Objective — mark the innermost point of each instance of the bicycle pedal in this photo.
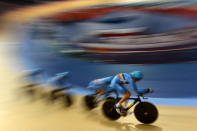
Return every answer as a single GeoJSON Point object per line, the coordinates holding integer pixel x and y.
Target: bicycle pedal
{"type": "Point", "coordinates": [122, 112]}
{"type": "Point", "coordinates": [130, 113]}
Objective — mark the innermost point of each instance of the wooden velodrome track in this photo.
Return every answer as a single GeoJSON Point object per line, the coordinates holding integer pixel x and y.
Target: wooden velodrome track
{"type": "Point", "coordinates": [21, 113]}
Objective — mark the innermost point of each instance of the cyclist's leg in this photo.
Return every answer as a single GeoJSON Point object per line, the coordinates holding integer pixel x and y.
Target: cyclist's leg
{"type": "Point", "coordinates": [57, 90]}
{"type": "Point", "coordinates": [124, 99]}
{"type": "Point", "coordinates": [100, 92]}
{"type": "Point", "coordinates": [119, 106]}
{"type": "Point", "coordinates": [106, 90]}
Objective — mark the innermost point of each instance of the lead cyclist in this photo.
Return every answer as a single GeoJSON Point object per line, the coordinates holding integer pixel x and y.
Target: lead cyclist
{"type": "Point", "coordinates": [125, 83]}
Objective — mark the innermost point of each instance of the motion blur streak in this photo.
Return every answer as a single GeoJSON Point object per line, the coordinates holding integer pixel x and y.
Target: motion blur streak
{"type": "Point", "coordinates": [125, 34]}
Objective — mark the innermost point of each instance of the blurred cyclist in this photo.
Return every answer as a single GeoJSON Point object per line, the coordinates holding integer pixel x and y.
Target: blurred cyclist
{"type": "Point", "coordinates": [124, 83]}
{"type": "Point", "coordinates": [37, 78]}
{"type": "Point", "coordinates": [60, 83]}
{"type": "Point", "coordinates": [33, 77]}
{"type": "Point", "coordinates": [101, 86]}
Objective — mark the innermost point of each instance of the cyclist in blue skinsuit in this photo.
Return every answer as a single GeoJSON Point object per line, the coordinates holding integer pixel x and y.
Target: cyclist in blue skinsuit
{"type": "Point", "coordinates": [59, 81]}
{"type": "Point", "coordinates": [34, 77]}
{"type": "Point", "coordinates": [37, 76]}
{"type": "Point", "coordinates": [125, 83]}
{"type": "Point", "coordinates": [101, 86]}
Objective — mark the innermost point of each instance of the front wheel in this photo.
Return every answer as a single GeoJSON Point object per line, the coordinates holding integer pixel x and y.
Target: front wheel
{"type": "Point", "coordinates": [146, 112]}
{"type": "Point", "coordinates": [109, 109]}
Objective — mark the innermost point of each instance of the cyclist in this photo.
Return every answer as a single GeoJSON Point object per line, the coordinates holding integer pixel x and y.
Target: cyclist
{"type": "Point", "coordinates": [34, 77]}
{"type": "Point", "coordinates": [101, 86]}
{"type": "Point", "coordinates": [124, 83]}
{"type": "Point", "coordinates": [59, 81]}
{"type": "Point", "coordinates": [37, 77]}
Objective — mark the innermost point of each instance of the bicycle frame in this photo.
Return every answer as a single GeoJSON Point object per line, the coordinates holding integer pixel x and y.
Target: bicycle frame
{"type": "Point", "coordinates": [136, 100]}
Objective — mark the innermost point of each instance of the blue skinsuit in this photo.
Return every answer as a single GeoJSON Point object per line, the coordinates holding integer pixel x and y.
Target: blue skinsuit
{"type": "Point", "coordinates": [100, 83]}
{"type": "Point", "coordinates": [35, 76]}
{"type": "Point", "coordinates": [59, 80]}
{"type": "Point", "coordinates": [123, 83]}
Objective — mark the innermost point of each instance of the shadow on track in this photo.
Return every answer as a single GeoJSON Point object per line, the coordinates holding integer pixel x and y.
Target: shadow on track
{"type": "Point", "coordinates": [146, 127]}
{"type": "Point", "coordinates": [121, 126]}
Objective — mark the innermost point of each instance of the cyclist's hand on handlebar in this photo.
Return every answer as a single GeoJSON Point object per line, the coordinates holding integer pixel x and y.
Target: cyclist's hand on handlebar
{"type": "Point", "coordinates": [149, 90]}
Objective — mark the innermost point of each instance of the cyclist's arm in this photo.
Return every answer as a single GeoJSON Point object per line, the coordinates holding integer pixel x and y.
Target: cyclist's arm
{"type": "Point", "coordinates": [135, 86]}
{"type": "Point", "coordinates": [139, 90]}
{"type": "Point", "coordinates": [113, 82]}
{"type": "Point", "coordinates": [91, 84]}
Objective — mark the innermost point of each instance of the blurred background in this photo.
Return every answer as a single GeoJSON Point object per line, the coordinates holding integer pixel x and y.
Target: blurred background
{"type": "Point", "coordinates": [98, 40]}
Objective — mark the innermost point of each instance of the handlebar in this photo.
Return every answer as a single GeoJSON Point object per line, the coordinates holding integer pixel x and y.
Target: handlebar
{"type": "Point", "coordinates": [149, 90]}
{"type": "Point", "coordinates": [145, 91]}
